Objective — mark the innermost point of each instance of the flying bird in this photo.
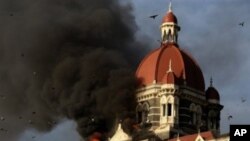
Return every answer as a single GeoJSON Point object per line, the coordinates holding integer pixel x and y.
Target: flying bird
{"type": "Point", "coordinates": [243, 100]}
{"type": "Point", "coordinates": [153, 16]}
{"type": "Point", "coordinates": [229, 117]}
{"type": "Point", "coordinates": [241, 24]}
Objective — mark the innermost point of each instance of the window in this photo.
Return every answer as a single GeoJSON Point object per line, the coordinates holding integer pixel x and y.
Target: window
{"type": "Point", "coordinates": [199, 114]}
{"type": "Point", "coordinates": [193, 113]}
{"type": "Point", "coordinates": [194, 118]}
{"type": "Point", "coordinates": [163, 109]}
{"type": "Point", "coordinates": [169, 109]}
{"type": "Point", "coordinates": [139, 113]}
{"type": "Point", "coordinates": [139, 116]}
{"type": "Point", "coordinates": [165, 36]}
{"type": "Point", "coordinates": [212, 119]}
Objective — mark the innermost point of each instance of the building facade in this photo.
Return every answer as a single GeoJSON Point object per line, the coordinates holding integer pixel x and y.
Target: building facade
{"type": "Point", "coordinates": [171, 96]}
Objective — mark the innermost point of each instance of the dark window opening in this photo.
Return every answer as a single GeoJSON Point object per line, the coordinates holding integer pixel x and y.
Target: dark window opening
{"type": "Point", "coordinates": [139, 117]}
{"type": "Point", "coordinates": [164, 109]}
{"type": "Point", "coordinates": [169, 109]}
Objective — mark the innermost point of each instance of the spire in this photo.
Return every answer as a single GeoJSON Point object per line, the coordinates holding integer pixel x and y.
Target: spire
{"type": "Point", "coordinates": [169, 27]}
{"type": "Point", "coordinates": [170, 66]}
{"type": "Point", "coordinates": [211, 82]}
{"type": "Point", "coordinates": [170, 6]}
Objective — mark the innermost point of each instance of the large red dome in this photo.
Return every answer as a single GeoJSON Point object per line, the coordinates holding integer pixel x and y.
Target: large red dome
{"type": "Point", "coordinates": [155, 65]}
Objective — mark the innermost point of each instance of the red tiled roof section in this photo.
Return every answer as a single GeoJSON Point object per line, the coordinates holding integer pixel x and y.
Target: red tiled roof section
{"type": "Point", "coordinates": [205, 135]}
{"type": "Point", "coordinates": [170, 17]}
{"type": "Point", "coordinates": [156, 64]}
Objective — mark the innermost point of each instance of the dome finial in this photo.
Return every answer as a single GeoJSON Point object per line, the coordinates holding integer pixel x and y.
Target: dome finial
{"type": "Point", "coordinates": [170, 6]}
{"type": "Point", "coordinates": [211, 81]}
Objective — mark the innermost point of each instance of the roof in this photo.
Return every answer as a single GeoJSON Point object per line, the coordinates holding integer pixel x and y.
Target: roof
{"type": "Point", "coordinates": [120, 135]}
{"type": "Point", "coordinates": [170, 17]}
{"type": "Point", "coordinates": [205, 135]}
{"type": "Point", "coordinates": [155, 65]}
{"type": "Point", "coordinates": [212, 93]}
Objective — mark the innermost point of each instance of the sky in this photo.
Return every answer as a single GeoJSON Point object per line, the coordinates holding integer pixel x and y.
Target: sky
{"type": "Point", "coordinates": [210, 31]}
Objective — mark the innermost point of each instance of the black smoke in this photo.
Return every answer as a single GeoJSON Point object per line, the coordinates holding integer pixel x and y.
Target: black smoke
{"type": "Point", "coordinates": [66, 58]}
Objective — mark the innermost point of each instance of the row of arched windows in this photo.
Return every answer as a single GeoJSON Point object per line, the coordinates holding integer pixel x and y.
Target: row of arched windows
{"type": "Point", "coordinates": [166, 106]}
{"type": "Point", "coordinates": [168, 36]}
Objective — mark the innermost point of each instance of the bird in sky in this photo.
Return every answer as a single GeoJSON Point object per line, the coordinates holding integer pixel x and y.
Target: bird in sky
{"type": "Point", "coordinates": [243, 100]}
{"type": "Point", "coordinates": [229, 117]}
{"type": "Point", "coordinates": [241, 24]}
{"type": "Point", "coordinates": [153, 16]}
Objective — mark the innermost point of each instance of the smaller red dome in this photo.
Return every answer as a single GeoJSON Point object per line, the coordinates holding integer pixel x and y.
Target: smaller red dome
{"type": "Point", "coordinates": [170, 17]}
{"type": "Point", "coordinates": [212, 93]}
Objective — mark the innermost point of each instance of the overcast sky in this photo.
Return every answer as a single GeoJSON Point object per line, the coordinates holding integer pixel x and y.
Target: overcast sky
{"type": "Point", "coordinates": [210, 31]}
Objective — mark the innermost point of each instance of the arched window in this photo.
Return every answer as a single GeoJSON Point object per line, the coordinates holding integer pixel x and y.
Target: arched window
{"type": "Point", "coordinates": [170, 102]}
{"type": "Point", "coordinates": [192, 109]}
{"type": "Point", "coordinates": [212, 119]}
{"type": "Point", "coordinates": [145, 111]}
{"type": "Point", "coordinates": [199, 115]}
{"type": "Point", "coordinates": [169, 35]}
{"type": "Point", "coordinates": [163, 102]}
{"type": "Point", "coordinates": [139, 113]}
{"type": "Point", "coordinates": [165, 36]}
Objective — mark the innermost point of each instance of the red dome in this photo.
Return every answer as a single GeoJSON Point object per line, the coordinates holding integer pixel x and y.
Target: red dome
{"type": "Point", "coordinates": [170, 17]}
{"type": "Point", "coordinates": [156, 64]}
{"type": "Point", "coordinates": [212, 93]}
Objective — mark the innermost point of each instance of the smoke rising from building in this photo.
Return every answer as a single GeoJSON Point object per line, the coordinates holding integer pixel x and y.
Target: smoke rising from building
{"type": "Point", "coordinates": [70, 58]}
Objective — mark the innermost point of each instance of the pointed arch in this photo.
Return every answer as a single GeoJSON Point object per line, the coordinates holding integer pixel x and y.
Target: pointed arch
{"type": "Point", "coordinates": [145, 111]}
{"type": "Point", "coordinates": [192, 109]}
{"type": "Point", "coordinates": [170, 102]}
{"type": "Point", "coordinates": [163, 102]}
{"type": "Point", "coordinates": [212, 120]}
{"type": "Point", "coordinates": [198, 115]}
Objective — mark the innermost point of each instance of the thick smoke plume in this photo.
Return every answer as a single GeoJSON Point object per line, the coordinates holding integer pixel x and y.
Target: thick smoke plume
{"type": "Point", "coordinates": [66, 58]}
